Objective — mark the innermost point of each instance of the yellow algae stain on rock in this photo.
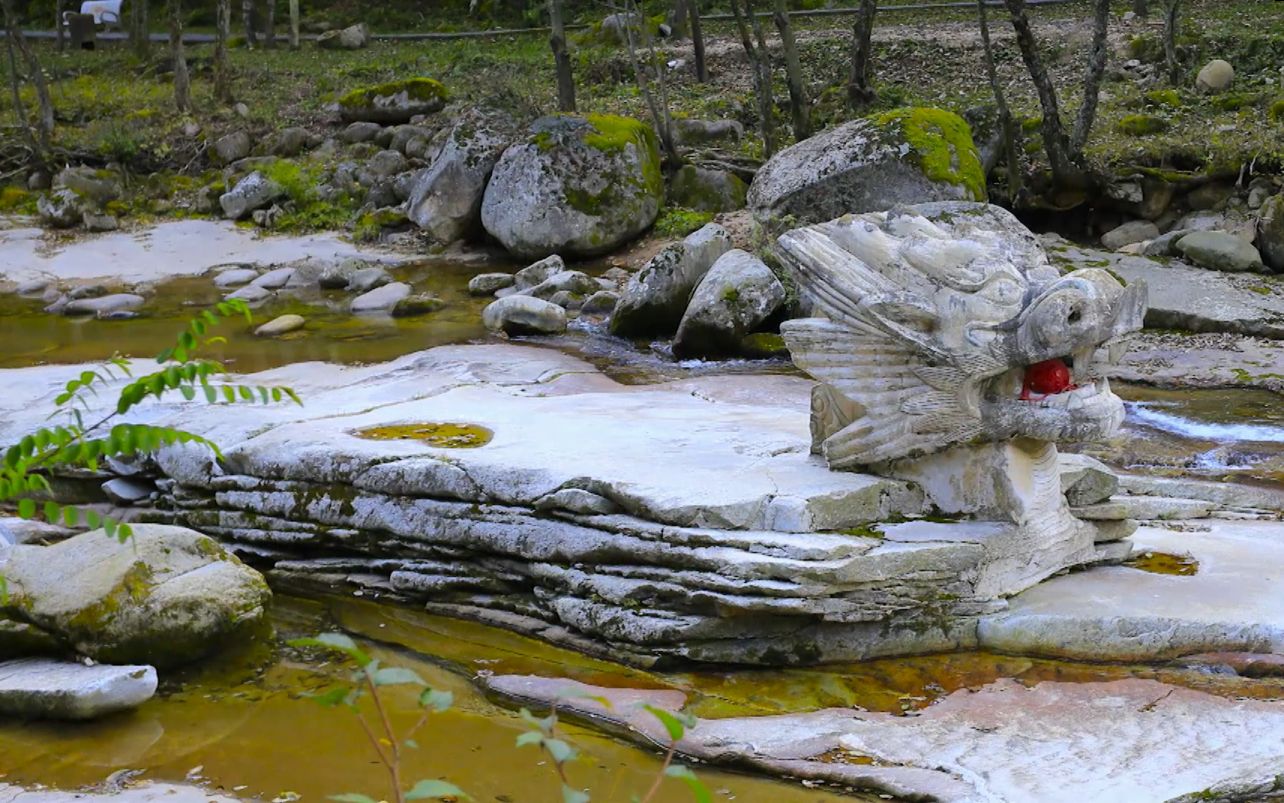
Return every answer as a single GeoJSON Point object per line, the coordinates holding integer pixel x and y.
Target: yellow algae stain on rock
{"type": "Point", "coordinates": [443, 435]}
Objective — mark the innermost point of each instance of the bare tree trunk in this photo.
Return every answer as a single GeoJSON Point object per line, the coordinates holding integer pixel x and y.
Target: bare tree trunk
{"type": "Point", "coordinates": [697, 41]}
{"type": "Point", "coordinates": [269, 24]}
{"type": "Point", "coordinates": [1171, 22]}
{"type": "Point", "coordinates": [45, 122]}
{"type": "Point", "coordinates": [799, 106]}
{"type": "Point", "coordinates": [1055, 142]}
{"type": "Point", "coordinates": [294, 24]}
{"type": "Point", "coordinates": [561, 58]}
{"type": "Point", "coordinates": [859, 92]}
{"type": "Point", "coordinates": [1011, 151]}
{"type": "Point", "coordinates": [247, 21]}
{"type": "Point", "coordinates": [222, 69]}
{"type": "Point", "coordinates": [678, 18]}
{"type": "Point", "coordinates": [1140, 8]}
{"type": "Point", "coordinates": [760, 64]}
{"type": "Point", "coordinates": [139, 34]}
{"type": "Point", "coordinates": [182, 82]}
{"type": "Point", "coordinates": [59, 6]}
{"type": "Point", "coordinates": [1093, 72]}
{"type": "Point", "coordinates": [659, 111]}
{"type": "Point", "coordinates": [11, 39]}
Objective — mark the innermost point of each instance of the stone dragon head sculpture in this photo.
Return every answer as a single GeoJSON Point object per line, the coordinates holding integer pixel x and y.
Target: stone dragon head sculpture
{"type": "Point", "coordinates": [945, 324]}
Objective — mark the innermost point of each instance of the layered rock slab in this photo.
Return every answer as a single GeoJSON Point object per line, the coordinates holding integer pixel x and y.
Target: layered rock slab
{"type": "Point", "coordinates": [37, 688]}
{"type": "Point", "coordinates": [1128, 740]}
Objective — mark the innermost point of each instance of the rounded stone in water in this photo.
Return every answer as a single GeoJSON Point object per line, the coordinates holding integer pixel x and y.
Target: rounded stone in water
{"type": "Point", "coordinates": [444, 435]}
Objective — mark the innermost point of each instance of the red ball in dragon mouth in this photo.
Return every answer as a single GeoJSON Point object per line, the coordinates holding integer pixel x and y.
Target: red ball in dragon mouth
{"type": "Point", "coordinates": [1047, 378]}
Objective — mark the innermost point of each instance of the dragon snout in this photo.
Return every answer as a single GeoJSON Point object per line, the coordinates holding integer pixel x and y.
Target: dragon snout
{"type": "Point", "coordinates": [1078, 311]}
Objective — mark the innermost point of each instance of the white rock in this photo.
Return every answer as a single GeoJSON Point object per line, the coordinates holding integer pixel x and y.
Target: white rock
{"type": "Point", "coordinates": [281, 325]}
{"type": "Point", "coordinates": [235, 277]}
{"type": "Point", "coordinates": [124, 491]}
{"type": "Point", "coordinates": [524, 315]}
{"type": "Point", "coordinates": [104, 305]}
{"type": "Point", "coordinates": [380, 299]}
{"type": "Point", "coordinates": [275, 279]}
{"type": "Point", "coordinates": [37, 688]}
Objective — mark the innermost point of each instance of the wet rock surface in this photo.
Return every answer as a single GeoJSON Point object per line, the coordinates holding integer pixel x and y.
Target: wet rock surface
{"type": "Point", "coordinates": [37, 688]}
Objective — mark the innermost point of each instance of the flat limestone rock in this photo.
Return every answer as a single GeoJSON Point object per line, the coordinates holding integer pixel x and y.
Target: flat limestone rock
{"type": "Point", "coordinates": [1208, 360]}
{"type": "Point", "coordinates": [1233, 603]}
{"type": "Point", "coordinates": [1125, 741]}
{"type": "Point", "coordinates": [37, 688]}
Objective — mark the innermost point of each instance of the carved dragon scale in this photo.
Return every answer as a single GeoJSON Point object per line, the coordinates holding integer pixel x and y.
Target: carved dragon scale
{"type": "Point", "coordinates": [935, 319]}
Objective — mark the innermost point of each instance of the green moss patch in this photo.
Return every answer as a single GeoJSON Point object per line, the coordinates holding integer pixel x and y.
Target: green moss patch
{"type": "Point", "coordinates": [380, 102]}
{"type": "Point", "coordinates": [941, 144]}
{"type": "Point", "coordinates": [678, 222]}
{"type": "Point", "coordinates": [445, 436]}
{"type": "Point", "coordinates": [1141, 125]}
{"type": "Point", "coordinates": [1164, 97]}
{"type": "Point", "coordinates": [1276, 112]}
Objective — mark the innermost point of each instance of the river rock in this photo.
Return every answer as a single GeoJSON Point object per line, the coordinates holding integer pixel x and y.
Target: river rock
{"type": "Point", "coordinates": [485, 284]}
{"type": "Point", "coordinates": [538, 272]}
{"type": "Point", "coordinates": [103, 305]}
{"type": "Point", "coordinates": [380, 299]}
{"type": "Point", "coordinates": [1215, 76]}
{"type": "Point", "coordinates": [737, 295]}
{"type": "Point", "coordinates": [1134, 231]}
{"type": "Point", "coordinates": [394, 102]}
{"type": "Point", "coordinates": [707, 190]}
{"type": "Point", "coordinates": [354, 37]}
{"type": "Point", "coordinates": [1270, 233]}
{"type": "Point", "coordinates": [1220, 251]}
{"type": "Point", "coordinates": [382, 165]}
{"type": "Point", "coordinates": [600, 303]}
{"type": "Point", "coordinates": [255, 191]}
{"type": "Point", "coordinates": [446, 199]}
{"type": "Point", "coordinates": [99, 222]}
{"type": "Point", "coordinates": [60, 209]}
{"type": "Point", "coordinates": [703, 132]}
{"type": "Point", "coordinates": [575, 186]}
{"type": "Point", "coordinates": [1227, 220]}
{"type": "Point", "coordinates": [570, 281]}
{"type": "Point", "coordinates": [251, 294]}
{"type": "Point", "coordinates": [274, 279]}
{"type": "Point", "coordinates": [418, 304]}
{"type": "Point", "coordinates": [167, 597]}
{"type": "Point", "coordinates": [39, 688]}
{"type": "Point", "coordinates": [363, 280]}
{"type": "Point", "coordinates": [360, 131]}
{"type": "Point", "coordinates": [231, 147]}
{"type": "Point", "coordinates": [524, 315]}
{"type": "Point", "coordinates": [94, 186]}
{"type": "Point", "coordinates": [281, 325]}
{"type": "Point", "coordinates": [904, 156]}
{"type": "Point", "coordinates": [127, 490]}
{"type": "Point", "coordinates": [291, 141]}
{"type": "Point", "coordinates": [656, 297]}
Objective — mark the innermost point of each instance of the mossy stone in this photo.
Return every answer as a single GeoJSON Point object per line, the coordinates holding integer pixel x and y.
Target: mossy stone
{"type": "Point", "coordinates": [1141, 125]}
{"type": "Point", "coordinates": [395, 101]}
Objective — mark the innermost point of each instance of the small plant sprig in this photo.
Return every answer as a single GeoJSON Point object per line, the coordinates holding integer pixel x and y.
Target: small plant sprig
{"type": "Point", "coordinates": [544, 734]}
{"type": "Point", "coordinates": [368, 679]}
{"type": "Point", "coordinates": [77, 444]}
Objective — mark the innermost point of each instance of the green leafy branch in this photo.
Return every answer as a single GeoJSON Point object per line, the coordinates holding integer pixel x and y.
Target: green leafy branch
{"type": "Point", "coordinates": [368, 679]}
{"type": "Point", "coordinates": [75, 444]}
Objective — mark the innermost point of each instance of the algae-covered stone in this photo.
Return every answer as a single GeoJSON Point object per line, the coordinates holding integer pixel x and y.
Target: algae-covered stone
{"type": "Point", "coordinates": [417, 304]}
{"type": "Point", "coordinates": [485, 284]}
{"type": "Point", "coordinates": [394, 102]}
{"type": "Point", "coordinates": [1141, 125]}
{"type": "Point", "coordinates": [656, 297]}
{"type": "Point", "coordinates": [578, 186]}
{"type": "Point", "coordinates": [904, 156]}
{"type": "Point", "coordinates": [737, 294]}
{"type": "Point", "coordinates": [1270, 233]}
{"type": "Point", "coordinates": [167, 597]}
{"type": "Point", "coordinates": [707, 190]}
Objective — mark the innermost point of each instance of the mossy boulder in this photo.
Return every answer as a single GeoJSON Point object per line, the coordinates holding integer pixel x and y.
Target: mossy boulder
{"type": "Point", "coordinates": [575, 186]}
{"type": "Point", "coordinates": [167, 597]}
{"type": "Point", "coordinates": [904, 156]}
{"type": "Point", "coordinates": [1141, 125]}
{"type": "Point", "coordinates": [707, 190]}
{"type": "Point", "coordinates": [394, 102]}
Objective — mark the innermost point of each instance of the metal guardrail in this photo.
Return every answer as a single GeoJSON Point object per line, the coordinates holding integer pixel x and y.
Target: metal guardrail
{"type": "Point", "coordinates": [206, 38]}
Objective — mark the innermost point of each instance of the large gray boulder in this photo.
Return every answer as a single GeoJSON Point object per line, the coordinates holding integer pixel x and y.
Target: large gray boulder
{"type": "Point", "coordinates": [576, 186]}
{"type": "Point", "coordinates": [656, 296]}
{"type": "Point", "coordinates": [1270, 233]}
{"type": "Point", "coordinates": [61, 209]}
{"type": "Point", "coordinates": [255, 191]}
{"type": "Point", "coordinates": [736, 296]}
{"type": "Point", "coordinates": [904, 156]}
{"type": "Point", "coordinates": [1220, 250]}
{"type": "Point", "coordinates": [524, 315]}
{"type": "Point", "coordinates": [380, 299]}
{"type": "Point", "coordinates": [96, 187]}
{"type": "Point", "coordinates": [446, 199]}
{"type": "Point", "coordinates": [354, 37]}
{"type": "Point", "coordinates": [167, 597]}
{"type": "Point", "coordinates": [41, 688]}
{"type": "Point", "coordinates": [1134, 231]}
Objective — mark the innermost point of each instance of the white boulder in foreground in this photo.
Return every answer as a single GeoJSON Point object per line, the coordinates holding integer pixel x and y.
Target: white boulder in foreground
{"type": "Point", "coordinates": [39, 688]}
